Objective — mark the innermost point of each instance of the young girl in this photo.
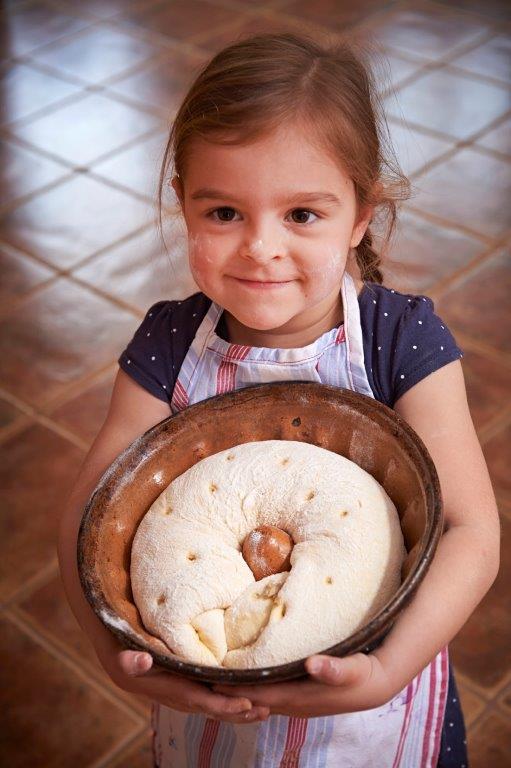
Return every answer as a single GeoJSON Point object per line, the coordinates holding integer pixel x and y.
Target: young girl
{"type": "Point", "coordinates": [279, 170]}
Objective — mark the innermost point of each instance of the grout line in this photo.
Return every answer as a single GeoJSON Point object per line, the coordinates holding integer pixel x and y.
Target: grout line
{"type": "Point", "coordinates": [469, 13]}
{"type": "Point", "coordinates": [26, 624]}
{"type": "Point", "coordinates": [123, 747]}
{"type": "Point", "coordinates": [456, 226]}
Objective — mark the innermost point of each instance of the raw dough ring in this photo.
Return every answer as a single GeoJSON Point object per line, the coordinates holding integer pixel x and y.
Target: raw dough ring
{"type": "Point", "coordinates": [195, 591]}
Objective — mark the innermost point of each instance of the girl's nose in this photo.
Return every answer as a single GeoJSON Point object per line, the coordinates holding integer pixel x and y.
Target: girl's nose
{"type": "Point", "coordinates": [262, 250]}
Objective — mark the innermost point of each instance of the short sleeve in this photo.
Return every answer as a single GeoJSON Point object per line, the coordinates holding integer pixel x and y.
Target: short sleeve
{"type": "Point", "coordinates": [148, 356]}
{"type": "Point", "coordinates": [423, 344]}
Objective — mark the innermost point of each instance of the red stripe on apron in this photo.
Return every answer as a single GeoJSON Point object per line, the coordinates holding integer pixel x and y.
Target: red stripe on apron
{"type": "Point", "coordinates": [406, 721]}
{"type": "Point", "coordinates": [180, 396]}
{"type": "Point", "coordinates": [341, 336]}
{"type": "Point", "coordinates": [441, 706]}
{"type": "Point", "coordinates": [296, 730]}
{"type": "Point", "coordinates": [429, 718]}
{"type": "Point", "coordinates": [207, 743]}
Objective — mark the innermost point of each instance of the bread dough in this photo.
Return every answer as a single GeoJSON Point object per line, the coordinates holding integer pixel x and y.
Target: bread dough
{"type": "Point", "coordinates": [195, 591]}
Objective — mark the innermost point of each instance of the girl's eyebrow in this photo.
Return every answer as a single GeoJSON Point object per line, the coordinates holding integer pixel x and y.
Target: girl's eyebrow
{"type": "Point", "coordinates": [215, 194]}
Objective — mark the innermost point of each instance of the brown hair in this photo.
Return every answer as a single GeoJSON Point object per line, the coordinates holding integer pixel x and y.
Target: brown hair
{"type": "Point", "coordinates": [253, 86]}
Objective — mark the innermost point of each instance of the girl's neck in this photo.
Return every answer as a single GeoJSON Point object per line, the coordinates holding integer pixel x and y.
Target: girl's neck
{"type": "Point", "coordinates": [300, 334]}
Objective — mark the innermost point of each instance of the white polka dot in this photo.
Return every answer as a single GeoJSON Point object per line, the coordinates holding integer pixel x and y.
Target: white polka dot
{"type": "Point", "coordinates": [379, 349]}
{"type": "Point", "coordinates": [386, 314]}
{"type": "Point", "coordinates": [150, 314]}
{"type": "Point", "coordinates": [179, 302]}
{"type": "Point", "coordinates": [129, 362]}
{"type": "Point", "coordinates": [442, 327]}
{"type": "Point", "coordinates": [409, 300]}
{"type": "Point", "coordinates": [423, 299]}
{"type": "Point", "coordinates": [448, 749]}
{"type": "Point", "coordinates": [420, 322]}
{"type": "Point", "coordinates": [174, 330]}
{"type": "Point", "coordinates": [164, 386]}
{"type": "Point", "coordinates": [194, 314]}
{"type": "Point", "coordinates": [454, 701]}
{"type": "Point", "coordinates": [442, 349]}
{"type": "Point", "coordinates": [153, 357]}
{"type": "Point", "coordinates": [392, 290]}
{"type": "Point", "coordinates": [374, 301]}
{"type": "Point", "coordinates": [148, 333]}
{"type": "Point", "coordinates": [451, 725]}
{"type": "Point", "coordinates": [414, 346]}
{"type": "Point", "coordinates": [402, 376]}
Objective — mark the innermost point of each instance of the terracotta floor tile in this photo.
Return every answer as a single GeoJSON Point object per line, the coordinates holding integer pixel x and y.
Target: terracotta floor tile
{"type": "Point", "coordinates": [391, 70]}
{"type": "Point", "coordinates": [73, 220]}
{"type": "Point", "coordinates": [140, 272]}
{"type": "Point", "coordinates": [449, 103]}
{"type": "Point", "coordinates": [58, 336]}
{"type": "Point", "coordinates": [106, 10]}
{"type": "Point", "coordinates": [213, 40]}
{"type": "Point", "coordinates": [48, 607]}
{"type": "Point", "coordinates": [332, 14]}
{"type": "Point", "coordinates": [183, 18]}
{"type": "Point", "coordinates": [100, 125]}
{"type": "Point", "coordinates": [423, 253]}
{"type": "Point", "coordinates": [37, 470]}
{"type": "Point", "coordinates": [85, 413]}
{"type": "Point", "coordinates": [19, 275]}
{"type": "Point", "coordinates": [499, 138]}
{"type": "Point", "coordinates": [163, 84]}
{"type": "Point", "coordinates": [482, 650]}
{"type": "Point", "coordinates": [137, 168]}
{"type": "Point", "coordinates": [15, 181]}
{"type": "Point", "coordinates": [27, 90]}
{"type": "Point", "coordinates": [497, 452]}
{"type": "Point", "coordinates": [479, 305]}
{"type": "Point", "coordinates": [427, 31]}
{"type": "Point", "coordinates": [139, 756]}
{"type": "Point", "coordinates": [471, 704]}
{"type": "Point", "coordinates": [51, 716]}
{"type": "Point", "coordinates": [492, 9]}
{"type": "Point", "coordinates": [488, 385]}
{"type": "Point", "coordinates": [471, 189]}
{"type": "Point", "coordinates": [35, 24]}
{"type": "Point", "coordinates": [119, 51]}
{"type": "Point", "coordinates": [492, 58]}
{"type": "Point", "coordinates": [414, 149]}
{"type": "Point", "coordinates": [489, 743]}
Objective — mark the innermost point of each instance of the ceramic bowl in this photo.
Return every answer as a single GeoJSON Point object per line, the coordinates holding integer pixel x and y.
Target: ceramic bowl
{"type": "Point", "coordinates": [352, 425]}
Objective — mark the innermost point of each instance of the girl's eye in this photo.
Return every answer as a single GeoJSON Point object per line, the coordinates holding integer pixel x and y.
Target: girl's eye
{"type": "Point", "coordinates": [300, 213]}
{"type": "Point", "coordinates": [226, 214]}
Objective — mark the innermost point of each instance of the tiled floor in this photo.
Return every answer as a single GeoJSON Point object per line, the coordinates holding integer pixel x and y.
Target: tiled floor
{"type": "Point", "coordinates": [87, 90]}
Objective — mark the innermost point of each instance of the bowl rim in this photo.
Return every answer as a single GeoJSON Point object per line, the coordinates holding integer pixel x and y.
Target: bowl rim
{"type": "Point", "coordinates": [364, 639]}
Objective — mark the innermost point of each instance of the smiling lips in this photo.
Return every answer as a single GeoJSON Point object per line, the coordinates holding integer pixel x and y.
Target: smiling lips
{"type": "Point", "coordinates": [262, 283]}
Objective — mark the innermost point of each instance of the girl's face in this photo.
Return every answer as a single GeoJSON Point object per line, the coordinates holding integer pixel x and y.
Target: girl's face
{"type": "Point", "coordinates": [270, 226]}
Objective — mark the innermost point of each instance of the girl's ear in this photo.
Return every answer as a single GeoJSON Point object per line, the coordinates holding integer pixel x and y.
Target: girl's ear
{"type": "Point", "coordinates": [360, 227]}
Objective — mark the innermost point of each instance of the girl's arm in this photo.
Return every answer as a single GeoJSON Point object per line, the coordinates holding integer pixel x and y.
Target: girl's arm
{"type": "Point", "coordinates": [463, 569]}
{"type": "Point", "coordinates": [132, 411]}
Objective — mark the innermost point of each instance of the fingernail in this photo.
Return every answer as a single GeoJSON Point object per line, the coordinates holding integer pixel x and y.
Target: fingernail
{"type": "Point", "coordinates": [139, 660]}
{"type": "Point", "coordinates": [315, 666]}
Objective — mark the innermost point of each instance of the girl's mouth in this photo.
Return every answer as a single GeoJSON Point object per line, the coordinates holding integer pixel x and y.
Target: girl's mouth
{"type": "Point", "coordinates": [262, 284]}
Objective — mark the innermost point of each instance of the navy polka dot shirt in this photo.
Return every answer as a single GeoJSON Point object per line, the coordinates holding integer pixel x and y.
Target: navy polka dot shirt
{"type": "Point", "coordinates": [404, 341]}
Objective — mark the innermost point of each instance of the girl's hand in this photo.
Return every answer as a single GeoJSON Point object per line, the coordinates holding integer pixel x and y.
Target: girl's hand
{"type": "Point", "coordinates": [335, 686]}
{"type": "Point", "coordinates": [133, 671]}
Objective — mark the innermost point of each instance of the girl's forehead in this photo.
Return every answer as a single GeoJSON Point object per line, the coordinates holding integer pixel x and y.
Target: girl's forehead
{"type": "Point", "coordinates": [281, 159]}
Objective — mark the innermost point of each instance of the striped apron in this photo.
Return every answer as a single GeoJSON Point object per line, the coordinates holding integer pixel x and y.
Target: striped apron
{"type": "Point", "coordinates": [405, 732]}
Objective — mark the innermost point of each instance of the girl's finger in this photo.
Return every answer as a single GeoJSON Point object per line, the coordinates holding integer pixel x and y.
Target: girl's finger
{"type": "Point", "coordinates": [351, 670]}
{"type": "Point", "coordinates": [256, 714]}
{"type": "Point", "coordinates": [135, 663]}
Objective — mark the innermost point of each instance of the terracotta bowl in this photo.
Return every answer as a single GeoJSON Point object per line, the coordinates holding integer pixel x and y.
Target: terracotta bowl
{"type": "Point", "coordinates": [352, 425]}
